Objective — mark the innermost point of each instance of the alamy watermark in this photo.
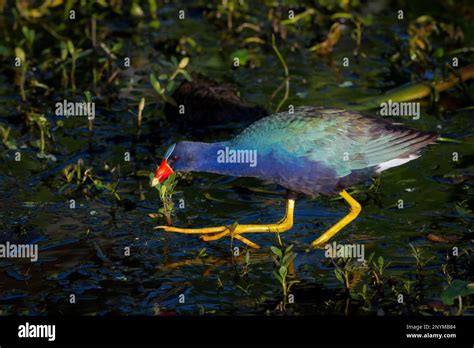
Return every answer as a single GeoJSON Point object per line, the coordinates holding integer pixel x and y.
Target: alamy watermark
{"type": "Point", "coordinates": [228, 155]}
{"type": "Point", "coordinates": [392, 108]}
{"type": "Point", "coordinates": [23, 251]}
{"type": "Point", "coordinates": [67, 109]}
{"type": "Point", "coordinates": [353, 251]}
{"type": "Point", "coordinates": [28, 330]}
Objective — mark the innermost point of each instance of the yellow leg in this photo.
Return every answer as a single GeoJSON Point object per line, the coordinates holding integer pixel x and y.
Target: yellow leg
{"type": "Point", "coordinates": [192, 230]}
{"type": "Point", "coordinates": [246, 241]}
{"type": "Point", "coordinates": [354, 211]}
{"type": "Point", "coordinates": [216, 236]}
{"type": "Point", "coordinates": [284, 225]}
{"type": "Point", "coordinates": [221, 231]}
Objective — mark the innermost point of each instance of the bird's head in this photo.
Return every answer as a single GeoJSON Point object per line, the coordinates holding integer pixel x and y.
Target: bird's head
{"type": "Point", "coordinates": [178, 156]}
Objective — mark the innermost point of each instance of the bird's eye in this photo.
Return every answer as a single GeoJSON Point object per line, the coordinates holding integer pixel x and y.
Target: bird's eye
{"type": "Point", "coordinates": [174, 158]}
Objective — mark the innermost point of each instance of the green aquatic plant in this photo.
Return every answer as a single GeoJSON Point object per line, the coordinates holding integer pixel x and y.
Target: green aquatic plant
{"type": "Point", "coordinates": [325, 47]}
{"type": "Point", "coordinates": [110, 187]}
{"type": "Point", "coordinates": [204, 311]}
{"type": "Point", "coordinates": [348, 272]}
{"type": "Point", "coordinates": [29, 35]}
{"type": "Point", "coordinates": [230, 9]}
{"type": "Point", "coordinates": [245, 288]}
{"type": "Point", "coordinates": [457, 290]}
{"type": "Point", "coordinates": [5, 135]}
{"type": "Point", "coordinates": [246, 266]}
{"type": "Point", "coordinates": [76, 176]}
{"type": "Point", "coordinates": [187, 45]}
{"type": "Point", "coordinates": [423, 48]}
{"type": "Point", "coordinates": [141, 107]}
{"type": "Point", "coordinates": [364, 296]}
{"type": "Point", "coordinates": [358, 23]}
{"type": "Point", "coordinates": [219, 283]}
{"type": "Point", "coordinates": [419, 42]}
{"type": "Point", "coordinates": [72, 171]}
{"type": "Point", "coordinates": [178, 68]}
{"type": "Point", "coordinates": [342, 274]}
{"type": "Point", "coordinates": [73, 52]}
{"type": "Point", "coordinates": [286, 81]}
{"type": "Point", "coordinates": [22, 65]}
{"type": "Point", "coordinates": [40, 122]}
{"type": "Point", "coordinates": [377, 270]}
{"type": "Point", "coordinates": [202, 253]}
{"type": "Point", "coordinates": [421, 259]}
{"type": "Point", "coordinates": [166, 192]}
{"type": "Point", "coordinates": [283, 260]}
{"type": "Point", "coordinates": [303, 16]}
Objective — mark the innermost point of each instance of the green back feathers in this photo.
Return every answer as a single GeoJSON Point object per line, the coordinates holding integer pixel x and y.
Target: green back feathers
{"type": "Point", "coordinates": [342, 140]}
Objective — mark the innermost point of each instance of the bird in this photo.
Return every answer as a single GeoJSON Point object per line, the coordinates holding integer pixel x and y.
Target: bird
{"type": "Point", "coordinates": [312, 150]}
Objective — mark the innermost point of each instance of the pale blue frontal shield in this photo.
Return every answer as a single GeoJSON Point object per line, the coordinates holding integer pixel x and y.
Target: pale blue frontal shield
{"type": "Point", "coordinates": [169, 152]}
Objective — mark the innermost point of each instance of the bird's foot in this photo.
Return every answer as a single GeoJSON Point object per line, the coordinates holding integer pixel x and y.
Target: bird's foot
{"type": "Point", "coordinates": [214, 233]}
{"type": "Point", "coordinates": [235, 230]}
{"type": "Point", "coordinates": [355, 209]}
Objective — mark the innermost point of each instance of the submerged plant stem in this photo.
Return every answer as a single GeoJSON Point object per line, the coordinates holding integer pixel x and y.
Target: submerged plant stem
{"type": "Point", "coordinates": [286, 82]}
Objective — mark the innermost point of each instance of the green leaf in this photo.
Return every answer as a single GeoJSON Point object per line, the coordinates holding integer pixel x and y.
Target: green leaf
{"type": "Point", "coordinates": [462, 210]}
{"type": "Point", "coordinates": [380, 261]}
{"type": "Point", "coordinates": [288, 258]}
{"type": "Point", "coordinates": [283, 272]}
{"type": "Point", "coordinates": [276, 251]}
{"type": "Point", "coordinates": [156, 84]}
{"type": "Point", "coordinates": [279, 278]}
{"type": "Point", "coordinates": [116, 47]}
{"type": "Point", "coordinates": [63, 48]}
{"type": "Point", "coordinates": [170, 85]}
{"type": "Point", "coordinates": [155, 24]}
{"type": "Point", "coordinates": [20, 53]}
{"type": "Point", "coordinates": [172, 177]}
{"type": "Point", "coordinates": [70, 47]}
{"type": "Point", "coordinates": [457, 288]}
{"type": "Point", "coordinates": [339, 276]}
{"type": "Point", "coordinates": [153, 7]}
{"type": "Point", "coordinates": [354, 295]}
{"type": "Point", "coordinates": [242, 54]}
{"type": "Point", "coordinates": [169, 100]}
{"type": "Point", "coordinates": [99, 185]}
{"type": "Point", "coordinates": [29, 34]}
{"type": "Point", "coordinates": [342, 15]}
{"type": "Point", "coordinates": [186, 75]}
{"type": "Point", "coordinates": [136, 10]}
{"type": "Point", "coordinates": [183, 63]}
{"type": "Point", "coordinates": [439, 52]}
{"type": "Point", "coordinates": [4, 51]}
{"type": "Point", "coordinates": [88, 96]}
{"type": "Point", "coordinates": [369, 260]}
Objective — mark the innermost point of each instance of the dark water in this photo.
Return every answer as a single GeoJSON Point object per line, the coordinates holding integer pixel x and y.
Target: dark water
{"type": "Point", "coordinates": [82, 249]}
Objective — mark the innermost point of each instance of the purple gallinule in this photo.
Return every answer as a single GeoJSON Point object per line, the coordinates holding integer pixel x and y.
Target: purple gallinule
{"type": "Point", "coordinates": [311, 151]}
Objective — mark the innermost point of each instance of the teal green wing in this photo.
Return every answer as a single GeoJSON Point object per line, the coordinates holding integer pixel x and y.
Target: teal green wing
{"type": "Point", "coordinates": [340, 140]}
